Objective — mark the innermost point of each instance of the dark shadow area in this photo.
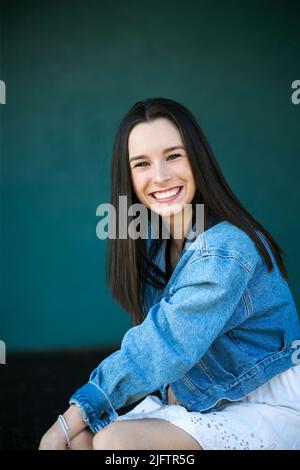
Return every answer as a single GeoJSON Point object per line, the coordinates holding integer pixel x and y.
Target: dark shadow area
{"type": "Point", "coordinates": [35, 389]}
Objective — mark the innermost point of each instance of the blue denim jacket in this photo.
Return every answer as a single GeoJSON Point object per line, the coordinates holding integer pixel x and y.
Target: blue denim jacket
{"type": "Point", "coordinates": [222, 327]}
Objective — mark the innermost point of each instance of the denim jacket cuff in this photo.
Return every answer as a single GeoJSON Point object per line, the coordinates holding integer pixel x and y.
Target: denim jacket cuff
{"type": "Point", "coordinates": [95, 407]}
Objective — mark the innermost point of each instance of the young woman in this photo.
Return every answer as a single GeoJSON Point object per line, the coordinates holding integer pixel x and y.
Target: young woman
{"type": "Point", "coordinates": [216, 333]}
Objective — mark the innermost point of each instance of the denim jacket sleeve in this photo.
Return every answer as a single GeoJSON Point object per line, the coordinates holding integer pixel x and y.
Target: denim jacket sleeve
{"type": "Point", "coordinates": [175, 334]}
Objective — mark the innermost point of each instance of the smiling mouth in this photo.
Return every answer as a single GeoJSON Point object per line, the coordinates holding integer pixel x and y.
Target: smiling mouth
{"type": "Point", "coordinates": [167, 195]}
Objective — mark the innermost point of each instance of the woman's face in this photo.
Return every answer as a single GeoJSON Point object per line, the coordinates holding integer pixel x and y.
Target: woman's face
{"type": "Point", "coordinates": [161, 173]}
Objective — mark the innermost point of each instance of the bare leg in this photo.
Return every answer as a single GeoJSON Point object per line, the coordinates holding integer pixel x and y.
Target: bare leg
{"type": "Point", "coordinates": [144, 434]}
{"type": "Point", "coordinates": [83, 440]}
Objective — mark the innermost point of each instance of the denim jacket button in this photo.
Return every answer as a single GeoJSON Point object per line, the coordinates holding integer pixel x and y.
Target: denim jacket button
{"type": "Point", "coordinates": [104, 415]}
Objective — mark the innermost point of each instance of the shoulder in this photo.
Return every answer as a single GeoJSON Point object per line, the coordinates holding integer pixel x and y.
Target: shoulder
{"type": "Point", "coordinates": [223, 255]}
{"type": "Point", "coordinates": [226, 240]}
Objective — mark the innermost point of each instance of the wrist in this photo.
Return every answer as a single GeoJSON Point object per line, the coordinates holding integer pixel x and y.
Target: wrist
{"type": "Point", "coordinates": [74, 420]}
{"type": "Point", "coordinates": [65, 429]}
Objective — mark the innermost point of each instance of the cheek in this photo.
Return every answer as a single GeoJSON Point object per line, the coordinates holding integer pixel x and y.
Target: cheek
{"type": "Point", "coordinates": [192, 184]}
{"type": "Point", "coordinates": [138, 183]}
{"type": "Point", "coordinates": [185, 172]}
{"type": "Point", "coordinates": [190, 178]}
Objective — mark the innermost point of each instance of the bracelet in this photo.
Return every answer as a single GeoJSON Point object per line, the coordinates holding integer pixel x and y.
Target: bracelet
{"type": "Point", "coordinates": [65, 428]}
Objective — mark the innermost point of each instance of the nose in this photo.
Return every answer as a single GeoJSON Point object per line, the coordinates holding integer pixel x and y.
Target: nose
{"type": "Point", "coordinates": [161, 173]}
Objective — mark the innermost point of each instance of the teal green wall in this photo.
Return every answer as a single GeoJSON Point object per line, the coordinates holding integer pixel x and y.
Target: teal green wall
{"type": "Point", "coordinates": [72, 69]}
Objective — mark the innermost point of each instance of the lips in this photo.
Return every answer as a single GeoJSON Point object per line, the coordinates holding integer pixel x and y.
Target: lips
{"type": "Point", "coordinates": [166, 194]}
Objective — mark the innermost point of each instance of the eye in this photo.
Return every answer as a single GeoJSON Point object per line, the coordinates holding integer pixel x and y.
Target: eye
{"type": "Point", "coordinates": [174, 156]}
{"type": "Point", "coordinates": [144, 164]}
{"type": "Point", "coordinates": [141, 164]}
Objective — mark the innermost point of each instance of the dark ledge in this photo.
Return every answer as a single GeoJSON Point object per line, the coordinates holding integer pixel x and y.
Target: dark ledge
{"type": "Point", "coordinates": [35, 389]}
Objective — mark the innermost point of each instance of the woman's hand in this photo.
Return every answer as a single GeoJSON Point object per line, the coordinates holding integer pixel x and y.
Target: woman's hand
{"type": "Point", "coordinates": [55, 439]}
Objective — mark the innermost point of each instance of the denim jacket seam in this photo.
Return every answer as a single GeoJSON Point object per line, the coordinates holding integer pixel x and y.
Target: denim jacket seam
{"type": "Point", "coordinates": [207, 255]}
{"type": "Point", "coordinates": [183, 271]}
{"type": "Point", "coordinates": [247, 302]}
{"type": "Point", "coordinates": [102, 391]}
{"type": "Point", "coordinates": [189, 383]}
{"type": "Point", "coordinates": [200, 245]}
{"type": "Point", "coordinates": [225, 254]}
{"type": "Point", "coordinates": [205, 369]}
{"type": "Point", "coordinates": [237, 342]}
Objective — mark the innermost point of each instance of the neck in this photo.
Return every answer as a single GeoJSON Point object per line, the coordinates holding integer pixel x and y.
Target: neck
{"type": "Point", "coordinates": [178, 226]}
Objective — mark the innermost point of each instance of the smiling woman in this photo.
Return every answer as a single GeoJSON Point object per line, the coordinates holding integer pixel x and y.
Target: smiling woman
{"type": "Point", "coordinates": [215, 325]}
{"type": "Point", "coordinates": [160, 175]}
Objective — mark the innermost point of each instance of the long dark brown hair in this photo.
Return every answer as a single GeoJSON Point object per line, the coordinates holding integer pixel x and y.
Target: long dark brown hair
{"type": "Point", "coordinates": [128, 265]}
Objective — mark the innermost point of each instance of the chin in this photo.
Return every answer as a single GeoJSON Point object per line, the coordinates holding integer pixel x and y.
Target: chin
{"type": "Point", "coordinates": [168, 211]}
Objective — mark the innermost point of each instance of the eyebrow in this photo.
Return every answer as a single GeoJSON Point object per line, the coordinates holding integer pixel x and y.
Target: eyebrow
{"type": "Point", "coordinates": [169, 149]}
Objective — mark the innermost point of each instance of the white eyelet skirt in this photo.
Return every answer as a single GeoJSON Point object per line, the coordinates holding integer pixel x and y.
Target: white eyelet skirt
{"type": "Point", "coordinates": [266, 419]}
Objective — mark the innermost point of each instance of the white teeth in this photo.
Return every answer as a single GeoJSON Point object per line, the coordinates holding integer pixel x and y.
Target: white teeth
{"type": "Point", "coordinates": [166, 194]}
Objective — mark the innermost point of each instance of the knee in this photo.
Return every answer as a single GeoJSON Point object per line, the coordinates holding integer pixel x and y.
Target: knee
{"type": "Point", "coordinates": [110, 438]}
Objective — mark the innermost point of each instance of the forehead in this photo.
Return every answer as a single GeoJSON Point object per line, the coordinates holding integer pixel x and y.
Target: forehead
{"type": "Point", "coordinates": [155, 135]}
